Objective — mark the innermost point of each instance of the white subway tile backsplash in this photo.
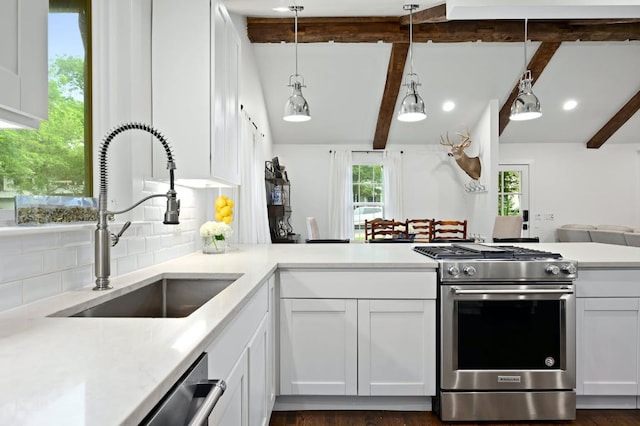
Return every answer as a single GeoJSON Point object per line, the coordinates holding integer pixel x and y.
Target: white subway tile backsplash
{"type": "Point", "coordinates": [39, 264]}
{"type": "Point", "coordinates": [10, 295]}
{"type": "Point", "coordinates": [127, 264]}
{"type": "Point", "coordinates": [153, 213]}
{"type": "Point", "coordinates": [10, 245]}
{"type": "Point", "coordinates": [62, 258]}
{"type": "Point", "coordinates": [77, 237]}
{"type": "Point", "coordinates": [136, 245]}
{"type": "Point", "coordinates": [37, 242]}
{"type": "Point", "coordinates": [145, 260]}
{"type": "Point", "coordinates": [17, 267]}
{"type": "Point", "coordinates": [73, 279]}
{"type": "Point", "coordinates": [40, 287]}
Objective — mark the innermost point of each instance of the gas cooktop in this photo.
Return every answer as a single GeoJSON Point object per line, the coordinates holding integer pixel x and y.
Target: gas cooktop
{"type": "Point", "coordinates": [480, 251]}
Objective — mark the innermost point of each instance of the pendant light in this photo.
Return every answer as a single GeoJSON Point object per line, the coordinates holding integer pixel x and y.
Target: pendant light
{"type": "Point", "coordinates": [526, 106]}
{"type": "Point", "coordinates": [412, 107]}
{"type": "Point", "coordinates": [296, 108]}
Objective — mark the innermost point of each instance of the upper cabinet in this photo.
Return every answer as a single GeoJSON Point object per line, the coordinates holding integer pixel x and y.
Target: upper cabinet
{"type": "Point", "coordinates": [195, 85]}
{"type": "Point", "coordinates": [23, 63]}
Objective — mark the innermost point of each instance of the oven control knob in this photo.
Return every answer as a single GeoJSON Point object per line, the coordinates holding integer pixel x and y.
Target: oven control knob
{"type": "Point", "coordinates": [552, 269]}
{"type": "Point", "coordinates": [469, 270]}
{"type": "Point", "coordinates": [453, 270]}
{"type": "Point", "coordinates": [569, 268]}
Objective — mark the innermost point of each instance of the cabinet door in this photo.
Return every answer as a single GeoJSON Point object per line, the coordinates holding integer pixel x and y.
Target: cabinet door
{"type": "Point", "coordinates": [318, 347]}
{"type": "Point", "coordinates": [396, 347]}
{"type": "Point", "coordinates": [23, 62]}
{"type": "Point", "coordinates": [258, 371]}
{"type": "Point", "coordinates": [271, 345]}
{"type": "Point", "coordinates": [232, 408]}
{"type": "Point", "coordinates": [607, 346]}
{"type": "Point", "coordinates": [226, 104]}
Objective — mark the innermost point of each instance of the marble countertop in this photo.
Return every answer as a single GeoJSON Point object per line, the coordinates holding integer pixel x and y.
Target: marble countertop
{"type": "Point", "coordinates": [107, 371]}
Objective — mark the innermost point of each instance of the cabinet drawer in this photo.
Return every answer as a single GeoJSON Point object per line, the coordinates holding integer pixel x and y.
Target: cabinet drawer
{"type": "Point", "coordinates": [358, 283]}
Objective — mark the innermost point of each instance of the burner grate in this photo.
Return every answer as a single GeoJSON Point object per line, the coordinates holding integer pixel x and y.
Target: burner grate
{"type": "Point", "coordinates": [479, 251]}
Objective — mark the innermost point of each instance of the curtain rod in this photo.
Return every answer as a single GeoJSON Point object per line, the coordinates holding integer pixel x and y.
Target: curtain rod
{"type": "Point", "coordinates": [249, 117]}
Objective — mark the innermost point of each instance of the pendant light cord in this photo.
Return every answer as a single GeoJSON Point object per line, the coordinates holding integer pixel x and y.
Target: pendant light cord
{"type": "Point", "coordinates": [295, 30]}
{"type": "Point", "coordinates": [525, 45]}
{"type": "Point", "coordinates": [411, 38]}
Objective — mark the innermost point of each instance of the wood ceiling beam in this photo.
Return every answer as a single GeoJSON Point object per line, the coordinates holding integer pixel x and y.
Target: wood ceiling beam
{"type": "Point", "coordinates": [612, 126]}
{"type": "Point", "coordinates": [430, 15]}
{"type": "Point", "coordinates": [397, 60]}
{"type": "Point", "coordinates": [537, 64]}
{"type": "Point", "coordinates": [391, 30]}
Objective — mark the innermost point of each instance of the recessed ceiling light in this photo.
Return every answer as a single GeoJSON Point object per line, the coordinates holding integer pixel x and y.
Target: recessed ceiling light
{"type": "Point", "coordinates": [280, 9]}
{"type": "Point", "coordinates": [448, 106]}
{"type": "Point", "coordinates": [570, 104]}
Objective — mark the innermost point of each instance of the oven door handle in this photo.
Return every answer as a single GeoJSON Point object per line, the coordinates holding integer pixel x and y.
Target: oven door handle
{"type": "Point", "coordinates": [459, 291]}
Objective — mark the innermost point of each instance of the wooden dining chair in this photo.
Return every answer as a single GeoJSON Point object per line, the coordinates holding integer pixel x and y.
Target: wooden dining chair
{"type": "Point", "coordinates": [420, 229]}
{"type": "Point", "coordinates": [388, 229]}
{"type": "Point", "coordinates": [442, 230]}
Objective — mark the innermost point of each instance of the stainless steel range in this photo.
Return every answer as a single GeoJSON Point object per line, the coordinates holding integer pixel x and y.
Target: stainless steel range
{"type": "Point", "coordinates": [506, 333]}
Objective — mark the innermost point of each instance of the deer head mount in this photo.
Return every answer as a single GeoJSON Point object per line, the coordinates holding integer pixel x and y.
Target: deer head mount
{"type": "Point", "coordinates": [470, 165]}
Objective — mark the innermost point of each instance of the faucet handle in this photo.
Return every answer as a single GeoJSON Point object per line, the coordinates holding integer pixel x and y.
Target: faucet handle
{"type": "Point", "coordinates": [116, 238]}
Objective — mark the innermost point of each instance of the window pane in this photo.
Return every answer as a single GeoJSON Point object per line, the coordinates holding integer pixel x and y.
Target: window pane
{"type": "Point", "coordinates": [367, 196]}
{"type": "Point", "coordinates": [51, 160]}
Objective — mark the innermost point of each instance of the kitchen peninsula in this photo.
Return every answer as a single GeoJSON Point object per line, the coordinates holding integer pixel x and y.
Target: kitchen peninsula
{"type": "Point", "coordinates": [105, 371]}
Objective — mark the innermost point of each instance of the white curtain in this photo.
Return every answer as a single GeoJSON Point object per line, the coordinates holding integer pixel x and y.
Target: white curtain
{"type": "Point", "coordinates": [340, 195]}
{"type": "Point", "coordinates": [392, 176]}
{"type": "Point", "coordinates": [253, 222]}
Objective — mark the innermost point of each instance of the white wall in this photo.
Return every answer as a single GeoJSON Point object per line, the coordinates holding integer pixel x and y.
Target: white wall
{"type": "Point", "coordinates": [579, 185]}
{"type": "Point", "coordinates": [575, 184]}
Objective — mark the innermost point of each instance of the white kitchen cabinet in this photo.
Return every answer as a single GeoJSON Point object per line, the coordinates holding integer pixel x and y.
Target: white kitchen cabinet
{"type": "Point", "coordinates": [195, 66]}
{"type": "Point", "coordinates": [24, 94]}
{"type": "Point", "coordinates": [607, 346]}
{"type": "Point", "coordinates": [271, 344]}
{"type": "Point", "coordinates": [318, 347]}
{"type": "Point", "coordinates": [240, 356]}
{"type": "Point", "coordinates": [357, 332]}
{"type": "Point", "coordinates": [396, 347]}
{"type": "Point", "coordinates": [232, 409]}
{"type": "Point", "coordinates": [258, 372]}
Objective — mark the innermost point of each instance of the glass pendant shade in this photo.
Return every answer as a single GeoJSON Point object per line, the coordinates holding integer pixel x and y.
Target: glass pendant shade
{"type": "Point", "coordinates": [526, 106]}
{"type": "Point", "coordinates": [412, 107]}
{"type": "Point", "coordinates": [296, 109]}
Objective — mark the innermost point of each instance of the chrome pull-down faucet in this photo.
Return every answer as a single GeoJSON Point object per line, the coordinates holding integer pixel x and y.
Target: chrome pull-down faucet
{"type": "Point", "coordinates": [104, 239]}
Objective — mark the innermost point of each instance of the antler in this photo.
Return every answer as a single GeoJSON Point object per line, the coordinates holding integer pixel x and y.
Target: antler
{"type": "Point", "coordinates": [447, 143]}
{"type": "Point", "coordinates": [465, 140]}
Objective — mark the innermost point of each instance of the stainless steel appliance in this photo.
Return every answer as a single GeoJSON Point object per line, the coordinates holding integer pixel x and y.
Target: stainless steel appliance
{"type": "Point", "coordinates": [190, 401]}
{"type": "Point", "coordinates": [506, 333]}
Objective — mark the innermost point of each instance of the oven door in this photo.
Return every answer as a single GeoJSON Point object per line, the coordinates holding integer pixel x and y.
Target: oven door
{"type": "Point", "coordinates": [507, 336]}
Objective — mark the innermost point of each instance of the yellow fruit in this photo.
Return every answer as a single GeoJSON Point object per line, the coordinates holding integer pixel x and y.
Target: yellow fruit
{"type": "Point", "coordinates": [227, 220]}
{"type": "Point", "coordinates": [220, 202]}
{"type": "Point", "coordinates": [229, 203]}
{"type": "Point", "coordinates": [226, 211]}
{"type": "Point", "coordinates": [219, 217]}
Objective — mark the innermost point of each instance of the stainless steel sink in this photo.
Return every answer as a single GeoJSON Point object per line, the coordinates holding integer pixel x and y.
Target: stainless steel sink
{"type": "Point", "coordinates": [165, 298]}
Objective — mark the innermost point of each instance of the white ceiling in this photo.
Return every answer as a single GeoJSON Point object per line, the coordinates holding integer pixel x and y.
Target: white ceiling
{"type": "Point", "coordinates": [341, 77]}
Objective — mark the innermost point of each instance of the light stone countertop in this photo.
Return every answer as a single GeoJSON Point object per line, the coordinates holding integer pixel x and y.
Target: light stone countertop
{"type": "Point", "coordinates": [108, 371]}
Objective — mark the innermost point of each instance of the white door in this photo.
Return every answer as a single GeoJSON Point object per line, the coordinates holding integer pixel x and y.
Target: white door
{"type": "Point", "coordinates": [318, 347]}
{"type": "Point", "coordinates": [607, 346]}
{"type": "Point", "coordinates": [513, 193]}
{"type": "Point", "coordinates": [396, 347]}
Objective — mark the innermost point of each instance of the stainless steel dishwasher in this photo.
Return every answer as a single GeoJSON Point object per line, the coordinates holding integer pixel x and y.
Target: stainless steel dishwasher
{"type": "Point", "coordinates": [190, 401]}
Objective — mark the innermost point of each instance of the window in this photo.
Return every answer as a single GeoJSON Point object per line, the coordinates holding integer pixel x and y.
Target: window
{"type": "Point", "coordinates": [56, 159]}
{"type": "Point", "coordinates": [368, 199]}
{"type": "Point", "coordinates": [509, 193]}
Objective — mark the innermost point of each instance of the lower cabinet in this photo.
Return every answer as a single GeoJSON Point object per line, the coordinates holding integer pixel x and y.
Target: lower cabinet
{"type": "Point", "coordinates": [607, 339]}
{"type": "Point", "coordinates": [357, 347]}
{"type": "Point", "coordinates": [242, 356]}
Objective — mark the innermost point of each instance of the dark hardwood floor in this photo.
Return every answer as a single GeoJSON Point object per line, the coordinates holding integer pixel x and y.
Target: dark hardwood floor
{"type": "Point", "coordinates": [408, 418]}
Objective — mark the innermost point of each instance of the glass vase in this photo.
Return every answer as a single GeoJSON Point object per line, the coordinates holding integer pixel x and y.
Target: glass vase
{"type": "Point", "coordinates": [211, 245]}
